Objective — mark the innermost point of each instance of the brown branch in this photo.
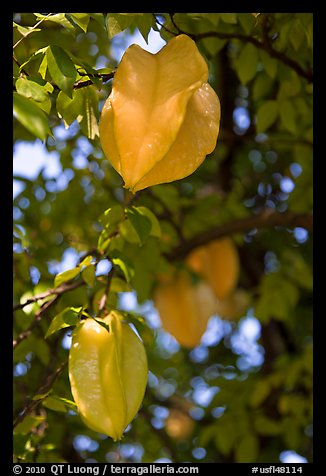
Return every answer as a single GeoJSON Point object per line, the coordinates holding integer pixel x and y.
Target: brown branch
{"type": "Point", "coordinates": [63, 288]}
{"type": "Point", "coordinates": [45, 307]}
{"type": "Point", "coordinates": [105, 296]}
{"type": "Point", "coordinates": [105, 77]}
{"type": "Point", "coordinates": [263, 45]}
{"type": "Point", "coordinates": [23, 335]}
{"type": "Point", "coordinates": [44, 388]}
{"type": "Point", "coordinates": [291, 63]}
{"type": "Point", "coordinates": [267, 219]}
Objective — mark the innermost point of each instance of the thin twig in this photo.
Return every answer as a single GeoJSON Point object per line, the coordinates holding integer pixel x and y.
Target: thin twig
{"type": "Point", "coordinates": [105, 77]}
{"type": "Point", "coordinates": [44, 388]}
{"type": "Point", "coordinates": [163, 26]}
{"type": "Point", "coordinates": [263, 45]}
{"type": "Point", "coordinates": [105, 296]}
{"type": "Point", "coordinates": [267, 219]}
{"type": "Point", "coordinates": [31, 30]}
{"type": "Point", "coordinates": [63, 288]}
{"type": "Point", "coordinates": [26, 333]}
{"type": "Point", "coordinates": [45, 307]}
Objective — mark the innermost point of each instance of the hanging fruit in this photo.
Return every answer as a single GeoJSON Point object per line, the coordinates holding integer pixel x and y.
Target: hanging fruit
{"type": "Point", "coordinates": [184, 307]}
{"type": "Point", "coordinates": [108, 373]}
{"type": "Point", "coordinates": [162, 117]}
{"type": "Point", "coordinates": [217, 263]}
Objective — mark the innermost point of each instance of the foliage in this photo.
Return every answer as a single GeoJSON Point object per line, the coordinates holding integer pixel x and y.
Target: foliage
{"type": "Point", "coordinates": [250, 397]}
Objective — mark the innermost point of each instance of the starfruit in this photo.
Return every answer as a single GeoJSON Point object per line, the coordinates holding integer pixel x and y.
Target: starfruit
{"type": "Point", "coordinates": [184, 307]}
{"type": "Point", "coordinates": [218, 263]}
{"type": "Point", "coordinates": [162, 117]}
{"type": "Point", "coordinates": [108, 373]}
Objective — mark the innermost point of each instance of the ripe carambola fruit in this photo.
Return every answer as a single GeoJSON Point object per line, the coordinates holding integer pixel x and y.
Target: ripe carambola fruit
{"type": "Point", "coordinates": [162, 117]}
{"type": "Point", "coordinates": [108, 374]}
{"type": "Point", "coordinates": [218, 263]}
{"type": "Point", "coordinates": [184, 307]}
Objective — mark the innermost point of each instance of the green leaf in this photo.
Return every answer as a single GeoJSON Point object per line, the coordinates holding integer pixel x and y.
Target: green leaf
{"type": "Point", "coordinates": [103, 241]}
{"type": "Point", "coordinates": [270, 64]}
{"type": "Point", "coordinates": [28, 424]}
{"type": "Point", "coordinates": [213, 45]}
{"type": "Point", "coordinates": [156, 228]}
{"type": "Point", "coordinates": [88, 275]}
{"type": "Point", "coordinates": [59, 18]}
{"type": "Point", "coordinates": [267, 426]}
{"type": "Point", "coordinates": [297, 34]}
{"type": "Point", "coordinates": [140, 222]}
{"type": "Point", "coordinates": [288, 116]}
{"type": "Point", "coordinates": [229, 18]}
{"type": "Point", "coordinates": [144, 24]}
{"type": "Point", "coordinates": [70, 108]}
{"type": "Point", "coordinates": [128, 232]}
{"type": "Point", "coordinates": [246, 63]}
{"type": "Point", "coordinates": [61, 68]}
{"type": "Point", "coordinates": [225, 436]}
{"type": "Point", "coordinates": [41, 396]}
{"type": "Point", "coordinates": [146, 262]}
{"type": "Point", "coordinates": [246, 451]}
{"type": "Point", "coordinates": [89, 113]}
{"type": "Point", "coordinates": [33, 90]}
{"type": "Point", "coordinates": [168, 195]}
{"type": "Point", "coordinates": [69, 403]}
{"type": "Point", "coordinates": [66, 276]}
{"type": "Point", "coordinates": [82, 20]}
{"type": "Point", "coordinates": [86, 261]}
{"type": "Point", "coordinates": [116, 23]}
{"type": "Point", "coordinates": [277, 297]}
{"type": "Point", "coordinates": [31, 116]}
{"type": "Point", "coordinates": [25, 30]}
{"type": "Point", "coordinates": [266, 115]}
{"type": "Point", "coordinates": [125, 266]}
{"type": "Point", "coordinates": [297, 269]}
{"type": "Point", "coordinates": [118, 285]}
{"type": "Point", "coordinates": [43, 66]}
{"type": "Point", "coordinates": [54, 404]}
{"type": "Point", "coordinates": [36, 58]}
{"type": "Point", "coordinates": [262, 86]}
{"type": "Point", "coordinates": [66, 318]}
{"type": "Point", "coordinates": [111, 217]}
{"type": "Point", "coordinates": [247, 22]}
{"type": "Point", "coordinates": [260, 393]}
{"type": "Point", "coordinates": [30, 89]}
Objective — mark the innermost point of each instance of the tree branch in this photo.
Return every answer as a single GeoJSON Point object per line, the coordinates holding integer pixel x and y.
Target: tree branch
{"type": "Point", "coordinates": [263, 45]}
{"type": "Point", "coordinates": [38, 315]}
{"type": "Point", "coordinates": [44, 388]}
{"type": "Point", "coordinates": [63, 288]}
{"type": "Point", "coordinates": [267, 219]}
{"type": "Point", "coordinates": [105, 296]}
{"type": "Point", "coordinates": [31, 30]}
{"type": "Point", "coordinates": [291, 63]}
{"type": "Point", "coordinates": [105, 77]}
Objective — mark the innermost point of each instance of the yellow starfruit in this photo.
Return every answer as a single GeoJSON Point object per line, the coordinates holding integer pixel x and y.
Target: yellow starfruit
{"type": "Point", "coordinates": [108, 374]}
{"type": "Point", "coordinates": [184, 307]}
{"type": "Point", "coordinates": [162, 117]}
{"type": "Point", "coordinates": [218, 263]}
